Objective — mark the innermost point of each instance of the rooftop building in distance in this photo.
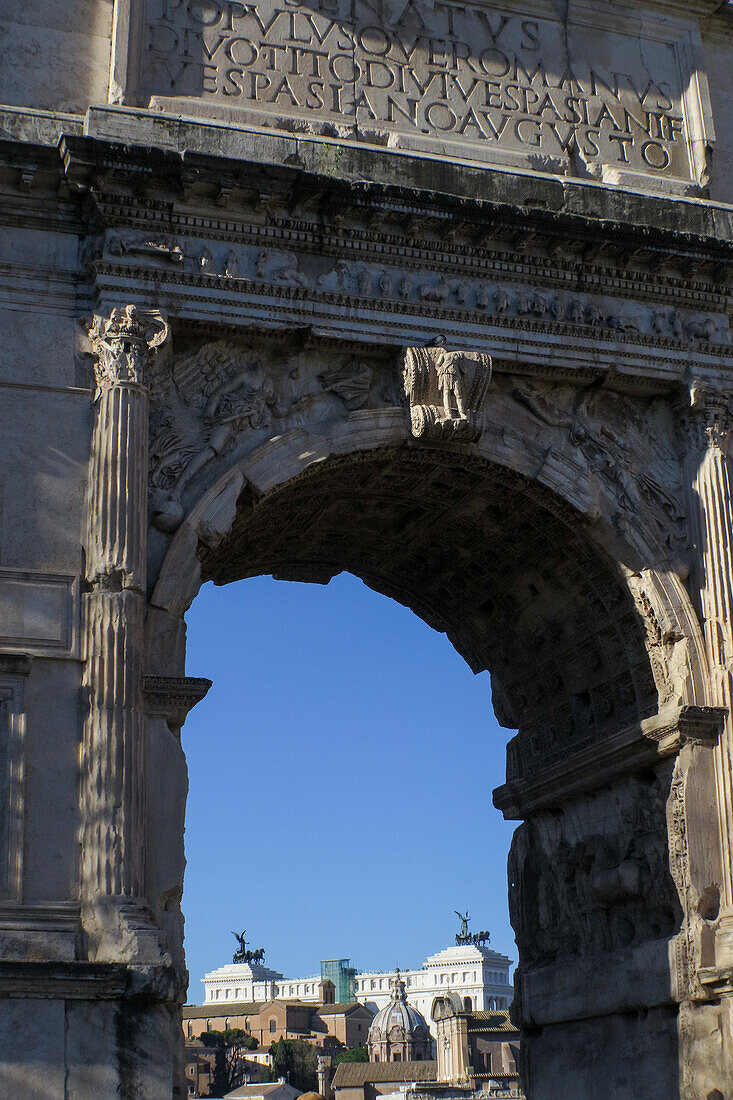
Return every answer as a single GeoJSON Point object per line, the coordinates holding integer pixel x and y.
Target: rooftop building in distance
{"type": "Point", "coordinates": [343, 976]}
{"type": "Point", "coordinates": [470, 969]}
{"type": "Point", "coordinates": [477, 1057]}
{"type": "Point", "coordinates": [478, 975]}
{"type": "Point", "coordinates": [327, 1026]}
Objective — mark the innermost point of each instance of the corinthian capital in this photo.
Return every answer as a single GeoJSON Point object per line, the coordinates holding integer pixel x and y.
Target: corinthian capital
{"type": "Point", "coordinates": [121, 343]}
{"type": "Point", "coordinates": [705, 416]}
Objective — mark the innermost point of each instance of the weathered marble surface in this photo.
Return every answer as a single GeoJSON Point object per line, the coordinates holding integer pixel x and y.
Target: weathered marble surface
{"type": "Point", "coordinates": [502, 397]}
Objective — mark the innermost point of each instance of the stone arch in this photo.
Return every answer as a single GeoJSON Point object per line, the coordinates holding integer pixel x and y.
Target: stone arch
{"type": "Point", "coordinates": [594, 648]}
{"type": "Point", "coordinates": [673, 638]}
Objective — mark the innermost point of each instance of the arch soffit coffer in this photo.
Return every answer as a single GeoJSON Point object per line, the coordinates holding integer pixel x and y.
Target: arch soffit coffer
{"type": "Point", "coordinates": [665, 625]}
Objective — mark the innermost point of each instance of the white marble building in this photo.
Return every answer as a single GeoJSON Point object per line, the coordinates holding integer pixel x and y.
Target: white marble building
{"type": "Point", "coordinates": [478, 975]}
{"type": "Point", "coordinates": [242, 982]}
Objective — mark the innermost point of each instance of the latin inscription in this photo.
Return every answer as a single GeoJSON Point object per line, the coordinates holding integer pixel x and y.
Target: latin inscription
{"type": "Point", "coordinates": [404, 73]}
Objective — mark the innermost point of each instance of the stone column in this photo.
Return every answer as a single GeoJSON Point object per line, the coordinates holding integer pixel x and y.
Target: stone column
{"type": "Point", "coordinates": [113, 745]}
{"type": "Point", "coordinates": [706, 423]}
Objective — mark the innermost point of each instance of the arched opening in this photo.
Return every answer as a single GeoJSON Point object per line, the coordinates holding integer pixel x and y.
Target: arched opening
{"type": "Point", "coordinates": [324, 732]}
{"type": "Point", "coordinates": [522, 586]}
{"type": "Point", "coordinates": [513, 579]}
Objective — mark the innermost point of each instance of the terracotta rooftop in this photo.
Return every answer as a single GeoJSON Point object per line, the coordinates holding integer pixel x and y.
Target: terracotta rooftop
{"type": "Point", "coordinates": [216, 1011]}
{"type": "Point", "coordinates": [264, 1089]}
{"type": "Point", "coordinates": [490, 1021]}
{"type": "Point", "coordinates": [344, 1006]}
{"type": "Point", "coordinates": [350, 1075]}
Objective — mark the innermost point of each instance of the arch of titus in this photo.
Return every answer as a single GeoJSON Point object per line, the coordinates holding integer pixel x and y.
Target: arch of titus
{"type": "Point", "coordinates": [435, 292]}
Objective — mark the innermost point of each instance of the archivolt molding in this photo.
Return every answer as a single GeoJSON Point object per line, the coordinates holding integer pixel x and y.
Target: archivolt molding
{"type": "Point", "coordinates": [221, 399]}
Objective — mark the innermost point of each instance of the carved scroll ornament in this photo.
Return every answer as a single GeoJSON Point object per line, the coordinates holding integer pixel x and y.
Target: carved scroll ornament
{"type": "Point", "coordinates": [446, 391]}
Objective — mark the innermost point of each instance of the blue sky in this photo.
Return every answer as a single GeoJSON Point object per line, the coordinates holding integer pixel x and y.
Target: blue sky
{"type": "Point", "coordinates": [341, 771]}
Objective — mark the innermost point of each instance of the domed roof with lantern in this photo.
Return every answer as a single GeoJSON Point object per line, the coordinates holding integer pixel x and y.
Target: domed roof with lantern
{"type": "Point", "coordinates": [399, 1033]}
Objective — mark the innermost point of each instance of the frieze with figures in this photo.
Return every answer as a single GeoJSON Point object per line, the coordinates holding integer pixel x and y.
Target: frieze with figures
{"type": "Point", "coordinates": [505, 304]}
{"type": "Point", "coordinates": [612, 888]}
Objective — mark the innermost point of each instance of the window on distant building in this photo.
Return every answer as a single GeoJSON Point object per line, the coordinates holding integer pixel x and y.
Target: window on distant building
{"type": "Point", "coordinates": [273, 1027]}
{"type": "Point", "coordinates": [397, 1056]}
{"type": "Point", "coordinates": [468, 1004]}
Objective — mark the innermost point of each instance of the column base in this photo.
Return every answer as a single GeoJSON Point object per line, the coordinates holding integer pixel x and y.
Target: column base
{"type": "Point", "coordinates": [95, 1030]}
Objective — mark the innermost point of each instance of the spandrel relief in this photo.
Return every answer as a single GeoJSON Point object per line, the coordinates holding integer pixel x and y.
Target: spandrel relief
{"type": "Point", "coordinates": [222, 399]}
{"type": "Point", "coordinates": [627, 449]}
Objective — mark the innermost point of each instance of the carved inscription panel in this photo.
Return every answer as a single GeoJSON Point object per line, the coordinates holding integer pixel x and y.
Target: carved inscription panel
{"type": "Point", "coordinates": [607, 93]}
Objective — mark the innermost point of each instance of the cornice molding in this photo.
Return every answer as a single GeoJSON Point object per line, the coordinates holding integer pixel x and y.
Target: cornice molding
{"type": "Point", "coordinates": [663, 735]}
{"type": "Point", "coordinates": [556, 206]}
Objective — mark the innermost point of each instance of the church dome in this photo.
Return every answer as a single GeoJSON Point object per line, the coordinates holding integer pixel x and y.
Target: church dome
{"type": "Point", "coordinates": [399, 1033]}
{"type": "Point", "coordinates": [400, 1015]}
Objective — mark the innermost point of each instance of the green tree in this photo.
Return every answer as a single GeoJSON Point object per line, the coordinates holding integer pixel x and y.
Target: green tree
{"type": "Point", "coordinates": [231, 1046]}
{"type": "Point", "coordinates": [297, 1062]}
{"type": "Point", "coordinates": [351, 1054]}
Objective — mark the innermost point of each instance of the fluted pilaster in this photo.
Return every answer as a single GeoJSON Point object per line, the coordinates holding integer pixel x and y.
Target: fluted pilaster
{"type": "Point", "coordinates": [113, 765]}
{"type": "Point", "coordinates": [117, 521]}
{"type": "Point", "coordinates": [707, 423]}
{"type": "Point", "coordinates": [113, 744]}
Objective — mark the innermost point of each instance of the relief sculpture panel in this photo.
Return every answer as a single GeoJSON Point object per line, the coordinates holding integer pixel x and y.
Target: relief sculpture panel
{"type": "Point", "coordinates": [595, 878]}
{"type": "Point", "coordinates": [490, 83]}
{"type": "Point", "coordinates": [214, 403]}
{"type": "Point", "coordinates": [233, 266]}
{"type": "Point", "coordinates": [626, 447]}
